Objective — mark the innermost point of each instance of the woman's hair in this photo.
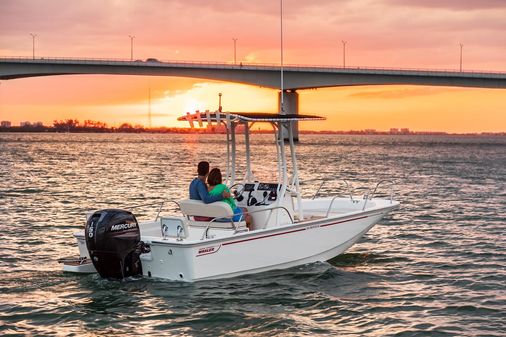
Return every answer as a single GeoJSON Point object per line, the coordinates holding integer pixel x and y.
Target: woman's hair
{"type": "Point", "coordinates": [214, 178]}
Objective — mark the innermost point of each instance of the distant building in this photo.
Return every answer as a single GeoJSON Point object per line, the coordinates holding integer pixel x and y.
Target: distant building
{"type": "Point", "coordinates": [394, 130]}
{"type": "Point", "coordinates": [25, 124]}
{"type": "Point", "coordinates": [38, 124]}
{"type": "Point", "coordinates": [5, 124]}
{"type": "Point", "coordinates": [405, 130]}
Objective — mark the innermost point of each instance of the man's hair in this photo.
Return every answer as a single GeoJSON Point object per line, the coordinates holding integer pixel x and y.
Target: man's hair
{"type": "Point", "coordinates": [203, 168]}
{"type": "Point", "coordinates": [214, 178]}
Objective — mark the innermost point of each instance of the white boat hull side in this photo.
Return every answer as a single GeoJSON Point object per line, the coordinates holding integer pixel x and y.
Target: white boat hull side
{"type": "Point", "coordinates": [259, 251]}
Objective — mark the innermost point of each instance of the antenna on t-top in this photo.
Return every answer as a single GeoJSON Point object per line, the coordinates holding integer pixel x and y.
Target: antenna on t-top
{"type": "Point", "coordinates": [220, 108]}
{"type": "Point", "coordinates": [282, 91]}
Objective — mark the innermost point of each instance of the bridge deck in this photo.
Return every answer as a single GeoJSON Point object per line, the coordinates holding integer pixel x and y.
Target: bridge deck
{"type": "Point", "coordinates": [266, 75]}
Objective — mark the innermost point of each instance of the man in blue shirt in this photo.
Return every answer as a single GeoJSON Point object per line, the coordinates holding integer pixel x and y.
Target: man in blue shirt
{"type": "Point", "coordinates": [198, 187]}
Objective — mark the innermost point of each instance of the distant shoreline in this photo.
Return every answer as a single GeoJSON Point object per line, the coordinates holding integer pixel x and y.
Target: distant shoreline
{"type": "Point", "coordinates": [44, 129]}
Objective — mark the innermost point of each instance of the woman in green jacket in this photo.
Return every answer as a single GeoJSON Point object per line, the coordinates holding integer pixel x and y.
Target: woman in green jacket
{"type": "Point", "coordinates": [216, 187]}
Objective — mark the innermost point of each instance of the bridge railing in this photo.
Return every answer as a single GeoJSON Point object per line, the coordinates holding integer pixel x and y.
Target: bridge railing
{"type": "Point", "coordinates": [251, 66]}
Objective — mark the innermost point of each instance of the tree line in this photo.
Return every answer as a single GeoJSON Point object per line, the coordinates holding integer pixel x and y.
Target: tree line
{"type": "Point", "coordinates": [73, 125]}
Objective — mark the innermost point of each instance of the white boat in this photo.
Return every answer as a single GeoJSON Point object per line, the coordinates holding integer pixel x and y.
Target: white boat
{"type": "Point", "coordinates": [288, 230]}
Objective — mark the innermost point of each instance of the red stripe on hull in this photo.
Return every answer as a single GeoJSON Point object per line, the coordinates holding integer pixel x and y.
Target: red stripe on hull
{"type": "Point", "coordinates": [335, 223]}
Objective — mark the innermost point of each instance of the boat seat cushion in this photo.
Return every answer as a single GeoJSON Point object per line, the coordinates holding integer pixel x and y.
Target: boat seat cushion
{"type": "Point", "coordinates": [199, 211]}
{"type": "Point", "coordinates": [216, 209]}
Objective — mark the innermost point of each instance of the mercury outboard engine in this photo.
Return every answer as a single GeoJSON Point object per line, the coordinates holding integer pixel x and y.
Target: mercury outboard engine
{"type": "Point", "coordinates": [113, 241]}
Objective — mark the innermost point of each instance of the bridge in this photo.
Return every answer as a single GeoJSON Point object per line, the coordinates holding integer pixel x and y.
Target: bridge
{"type": "Point", "coordinates": [296, 77]}
{"type": "Point", "coordinates": [265, 75]}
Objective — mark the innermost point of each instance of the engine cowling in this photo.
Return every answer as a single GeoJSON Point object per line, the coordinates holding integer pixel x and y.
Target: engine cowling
{"type": "Point", "coordinates": [114, 243]}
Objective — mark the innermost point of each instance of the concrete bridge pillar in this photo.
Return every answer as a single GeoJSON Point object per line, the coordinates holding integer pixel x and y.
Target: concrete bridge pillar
{"type": "Point", "coordinates": [291, 107]}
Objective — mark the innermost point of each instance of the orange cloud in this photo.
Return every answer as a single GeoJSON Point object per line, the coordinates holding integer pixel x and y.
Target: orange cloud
{"type": "Point", "coordinates": [396, 92]}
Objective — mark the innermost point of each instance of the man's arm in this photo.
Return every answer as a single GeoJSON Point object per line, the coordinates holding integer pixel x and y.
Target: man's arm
{"type": "Point", "coordinates": [205, 197]}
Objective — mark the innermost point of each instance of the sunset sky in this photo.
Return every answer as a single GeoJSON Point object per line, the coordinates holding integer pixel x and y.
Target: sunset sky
{"type": "Point", "coordinates": [383, 33]}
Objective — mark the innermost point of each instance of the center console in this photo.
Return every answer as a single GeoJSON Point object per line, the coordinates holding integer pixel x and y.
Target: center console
{"type": "Point", "coordinates": [256, 196]}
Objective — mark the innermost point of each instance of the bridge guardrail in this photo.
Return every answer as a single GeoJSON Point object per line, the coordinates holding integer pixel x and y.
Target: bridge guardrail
{"type": "Point", "coordinates": [257, 66]}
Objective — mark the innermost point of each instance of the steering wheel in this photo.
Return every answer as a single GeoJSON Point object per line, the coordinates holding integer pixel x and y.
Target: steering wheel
{"type": "Point", "coordinates": [237, 190]}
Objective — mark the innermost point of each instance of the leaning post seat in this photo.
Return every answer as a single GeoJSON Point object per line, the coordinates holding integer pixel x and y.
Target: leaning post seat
{"type": "Point", "coordinates": [218, 209]}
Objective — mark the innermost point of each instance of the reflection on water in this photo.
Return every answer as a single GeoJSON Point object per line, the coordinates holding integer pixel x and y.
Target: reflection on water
{"type": "Point", "coordinates": [434, 267]}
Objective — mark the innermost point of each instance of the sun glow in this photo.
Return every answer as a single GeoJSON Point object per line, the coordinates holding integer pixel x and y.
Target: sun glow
{"type": "Point", "coordinates": [106, 99]}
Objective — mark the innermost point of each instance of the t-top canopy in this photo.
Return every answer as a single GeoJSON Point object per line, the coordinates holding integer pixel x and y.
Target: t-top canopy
{"type": "Point", "coordinates": [247, 117]}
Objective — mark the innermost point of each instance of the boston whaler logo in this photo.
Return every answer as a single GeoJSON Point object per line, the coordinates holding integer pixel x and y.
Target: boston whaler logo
{"type": "Point", "coordinates": [208, 250]}
{"type": "Point", "coordinates": [123, 226]}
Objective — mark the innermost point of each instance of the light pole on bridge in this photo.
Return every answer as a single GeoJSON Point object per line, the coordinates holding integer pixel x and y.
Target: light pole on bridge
{"type": "Point", "coordinates": [235, 50]}
{"type": "Point", "coordinates": [132, 37]}
{"type": "Point", "coordinates": [461, 46]}
{"type": "Point", "coordinates": [33, 44]}
{"type": "Point", "coordinates": [344, 53]}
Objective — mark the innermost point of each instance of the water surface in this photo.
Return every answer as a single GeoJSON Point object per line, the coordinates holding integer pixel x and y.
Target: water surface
{"type": "Point", "coordinates": [435, 267]}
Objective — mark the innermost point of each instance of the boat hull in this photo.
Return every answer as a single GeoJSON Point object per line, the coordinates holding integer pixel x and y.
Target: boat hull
{"type": "Point", "coordinates": [258, 251]}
